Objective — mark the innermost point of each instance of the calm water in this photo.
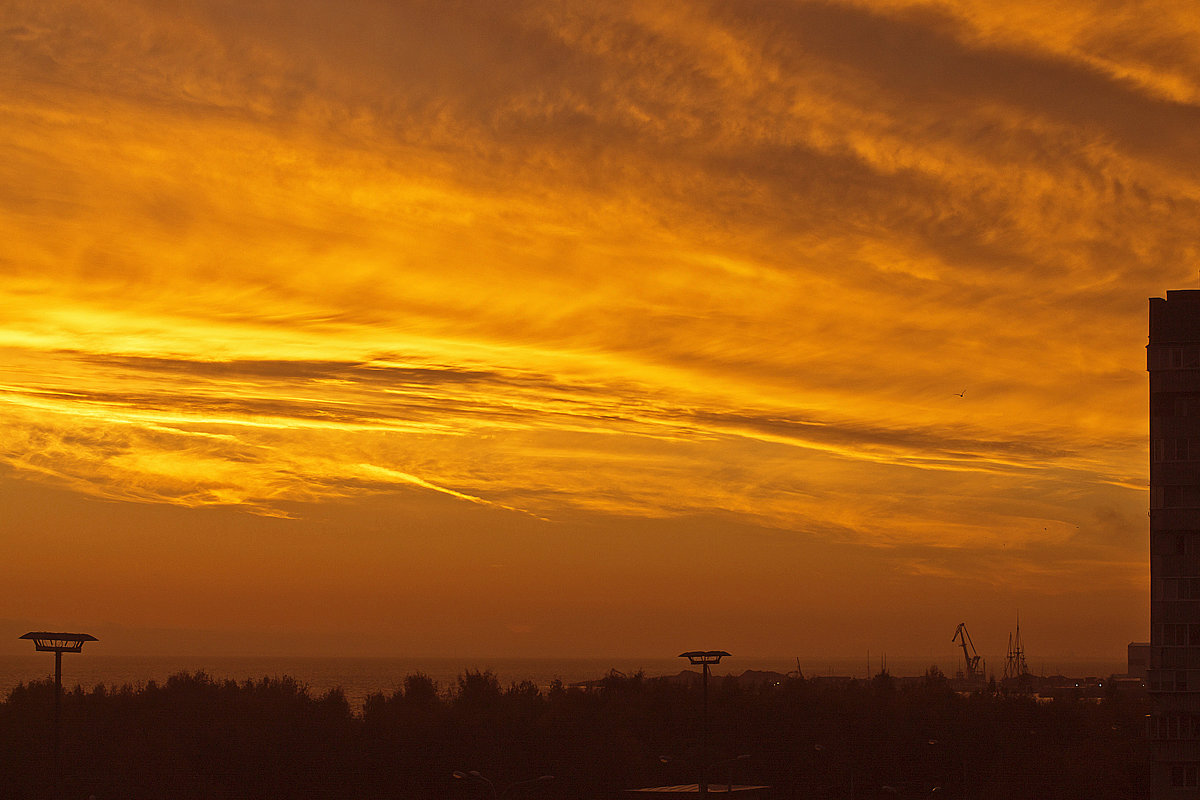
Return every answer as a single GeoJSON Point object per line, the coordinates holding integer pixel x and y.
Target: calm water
{"type": "Point", "coordinates": [359, 677]}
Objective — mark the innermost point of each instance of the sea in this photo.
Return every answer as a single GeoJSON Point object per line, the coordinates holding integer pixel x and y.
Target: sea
{"type": "Point", "coordinates": [360, 677]}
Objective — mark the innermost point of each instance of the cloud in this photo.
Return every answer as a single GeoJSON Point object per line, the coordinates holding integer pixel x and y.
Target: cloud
{"type": "Point", "coordinates": [612, 260]}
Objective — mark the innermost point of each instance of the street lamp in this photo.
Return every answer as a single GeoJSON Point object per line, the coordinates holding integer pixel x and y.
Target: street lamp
{"type": "Point", "coordinates": [704, 659]}
{"type": "Point", "coordinates": [58, 643]}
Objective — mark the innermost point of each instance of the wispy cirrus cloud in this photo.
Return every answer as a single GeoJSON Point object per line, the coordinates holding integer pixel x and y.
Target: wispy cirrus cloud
{"type": "Point", "coordinates": [302, 431]}
{"type": "Point", "coordinates": [865, 272]}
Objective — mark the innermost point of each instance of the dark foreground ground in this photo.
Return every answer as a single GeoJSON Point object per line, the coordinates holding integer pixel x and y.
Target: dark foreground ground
{"type": "Point", "coordinates": [193, 737]}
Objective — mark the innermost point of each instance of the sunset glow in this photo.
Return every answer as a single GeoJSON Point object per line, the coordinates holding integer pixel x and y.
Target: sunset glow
{"type": "Point", "coordinates": [468, 323]}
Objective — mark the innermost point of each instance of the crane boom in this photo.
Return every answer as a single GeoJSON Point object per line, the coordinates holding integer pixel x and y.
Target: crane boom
{"type": "Point", "coordinates": [970, 656]}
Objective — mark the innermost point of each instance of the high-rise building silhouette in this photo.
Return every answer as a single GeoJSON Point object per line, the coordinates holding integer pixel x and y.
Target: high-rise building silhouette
{"type": "Point", "coordinates": [1173, 678]}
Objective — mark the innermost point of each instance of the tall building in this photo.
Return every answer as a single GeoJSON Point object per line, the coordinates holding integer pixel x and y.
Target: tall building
{"type": "Point", "coordinates": [1173, 677]}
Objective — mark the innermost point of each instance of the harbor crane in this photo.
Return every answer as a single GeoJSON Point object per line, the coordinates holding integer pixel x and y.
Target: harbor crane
{"type": "Point", "coordinates": [973, 671]}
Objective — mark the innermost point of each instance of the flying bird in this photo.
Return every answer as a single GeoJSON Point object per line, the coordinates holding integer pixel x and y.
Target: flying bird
{"type": "Point", "coordinates": [960, 394]}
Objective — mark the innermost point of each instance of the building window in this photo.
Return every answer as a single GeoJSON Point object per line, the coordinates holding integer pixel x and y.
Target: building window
{"type": "Point", "coordinates": [1172, 450]}
{"type": "Point", "coordinates": [1175, 404]}
{"type": "Point", "coordinates": [1174, 496]}
{"type": "Point", "coordinates": [1185, 776]}
{"type": "Point", "coordinates": [1176, 543]}
{"type": "Point", "coordinates": [1175, 357]}
{"type": "Point", "coordinates": [1175, 634]}
{"type": "Point", "coordinates": [1174, 726]}
{"type": "Point", "coordinates": [1170, 680]}
{"type": "Point", "coordinates": [1175, 589]}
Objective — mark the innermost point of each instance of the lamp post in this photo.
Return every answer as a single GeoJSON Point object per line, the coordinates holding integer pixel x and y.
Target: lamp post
{"type": "Point", "coordinates": [704, 659]}
{"type": "Point", "coordinates": [58, 643]}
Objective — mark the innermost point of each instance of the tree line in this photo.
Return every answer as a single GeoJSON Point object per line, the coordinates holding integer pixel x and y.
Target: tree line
{"type": "Point", "coordinates": [193, 736]}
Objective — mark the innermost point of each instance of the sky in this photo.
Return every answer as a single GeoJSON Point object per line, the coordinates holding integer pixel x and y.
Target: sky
{"type": "Point", "coordinates": [573, 328]}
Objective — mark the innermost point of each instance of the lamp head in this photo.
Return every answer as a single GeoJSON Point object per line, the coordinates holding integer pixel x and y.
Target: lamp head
{"type": "Point", "coordinates": [45, 641]}
{"type": "Point", "coordinates": [704, 656]}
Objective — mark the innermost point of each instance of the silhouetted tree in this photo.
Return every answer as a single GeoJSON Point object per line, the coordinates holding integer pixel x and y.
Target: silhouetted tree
{"type": "Point", "coordinates": [196, 737]}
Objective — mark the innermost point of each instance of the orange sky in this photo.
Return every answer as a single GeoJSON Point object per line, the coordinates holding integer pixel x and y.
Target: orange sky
{"type": "Point", "coordinates": [572, 328]}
